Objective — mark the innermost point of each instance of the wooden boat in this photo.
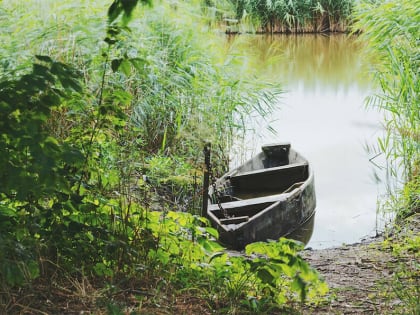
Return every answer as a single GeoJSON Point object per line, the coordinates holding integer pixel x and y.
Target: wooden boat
{"type": "Point", "coordinates": [270, 196]}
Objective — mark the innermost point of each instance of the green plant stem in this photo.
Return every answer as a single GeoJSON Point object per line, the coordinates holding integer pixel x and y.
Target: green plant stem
{"type": "Point", "coordinates": [97, 121]}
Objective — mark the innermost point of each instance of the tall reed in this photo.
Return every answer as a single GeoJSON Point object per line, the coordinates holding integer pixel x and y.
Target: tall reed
{"type": "Point", "coordinates": [186, 92]}
{"type": "Point", "coordinates": [296, 16]}
{"type": "Point", "coordinates": [391, 29]}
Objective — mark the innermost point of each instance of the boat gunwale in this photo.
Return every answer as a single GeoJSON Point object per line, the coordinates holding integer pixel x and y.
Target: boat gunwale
{"type": "Point", "coordinates": [302, 187]}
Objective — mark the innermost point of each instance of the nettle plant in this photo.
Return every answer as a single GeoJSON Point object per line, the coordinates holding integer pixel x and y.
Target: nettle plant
{"type": "Point", "coordinates": [267, 274]}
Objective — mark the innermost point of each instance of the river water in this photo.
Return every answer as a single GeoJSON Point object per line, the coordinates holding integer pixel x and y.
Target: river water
{"type": "Point", "coordinates": [322, 113]}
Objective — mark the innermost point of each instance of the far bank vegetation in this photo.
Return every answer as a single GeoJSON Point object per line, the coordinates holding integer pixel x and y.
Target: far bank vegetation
{"type": "Point", "coordinates": [289, 16]}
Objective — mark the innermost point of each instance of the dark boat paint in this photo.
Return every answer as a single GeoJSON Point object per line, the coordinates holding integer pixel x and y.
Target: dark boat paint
{"type": "Point", "coordinates": [269, 196]}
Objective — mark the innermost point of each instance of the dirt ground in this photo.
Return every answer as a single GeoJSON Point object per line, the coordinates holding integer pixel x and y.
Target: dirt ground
{"type": "Point", "coordinates": [353, 273]}
{"type": "Point", "coordinates": [360, 275]}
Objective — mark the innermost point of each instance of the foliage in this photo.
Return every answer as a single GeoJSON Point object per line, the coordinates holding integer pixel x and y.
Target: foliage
{"type": "Point", "coordinates": [85, 174]}
{"type": "Point", "coordinates": [391, 29]}
{"type": "Point", "coordinates": [34, 165]}
{"type": "Point", "coordinates": [124, 8]}
{"type": "Point", "coordinates": [32, 160]}
{"type": "Point", "coordinates": [284, 272]}
{"type": "Point", "coordinates": [269, 275]}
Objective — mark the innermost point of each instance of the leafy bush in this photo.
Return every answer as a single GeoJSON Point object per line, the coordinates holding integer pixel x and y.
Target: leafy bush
{"type": "Point", "coordinates": [34, 165]}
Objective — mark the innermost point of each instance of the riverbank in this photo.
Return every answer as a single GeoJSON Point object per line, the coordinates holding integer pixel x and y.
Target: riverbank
{"type": "Point", "coordinates": [366, 278]}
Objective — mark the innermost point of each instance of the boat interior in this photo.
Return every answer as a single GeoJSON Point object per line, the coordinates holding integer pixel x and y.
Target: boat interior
{"type": "Point", "coordinates": [267, 182]}
{"type": "Point", "coordinates": [245, 192]}
{"type": "Point", "coordinates": [247, 196]}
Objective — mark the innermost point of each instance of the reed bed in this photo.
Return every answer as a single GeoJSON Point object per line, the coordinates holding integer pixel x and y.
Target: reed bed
{"type": "Point", "coordinates": [391, 29]}
{"type": "Point", "coordinates": [293, 16]}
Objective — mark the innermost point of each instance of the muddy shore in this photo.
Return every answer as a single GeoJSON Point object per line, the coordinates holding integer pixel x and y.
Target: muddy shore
{"type": "Point", "coordinates": [360, 276]}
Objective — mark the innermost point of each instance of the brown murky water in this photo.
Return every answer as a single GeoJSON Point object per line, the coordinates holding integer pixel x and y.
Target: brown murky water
{"type": "Point", "coordinates": [322, 113]}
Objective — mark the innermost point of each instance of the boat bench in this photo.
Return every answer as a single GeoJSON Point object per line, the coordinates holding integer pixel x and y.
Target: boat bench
{"type": "Point", "coordinates": [235, 220]}
{"type": "Point", "coordinates": [270, 179]}
{"type": "Point", "coordinates": [241, 210]}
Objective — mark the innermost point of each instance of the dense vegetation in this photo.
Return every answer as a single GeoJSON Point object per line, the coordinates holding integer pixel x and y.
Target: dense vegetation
{"type": "Point", "coordinates": [103, 119]}
{"type": "Point", "coordinates": [391, 30]}
{"type": "Point", "coordinates": [293, 16]}
{"type": "Point", "coordinates": [102, 129]}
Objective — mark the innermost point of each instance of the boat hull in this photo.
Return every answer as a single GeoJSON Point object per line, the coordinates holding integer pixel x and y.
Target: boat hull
{"type": "Point", "coordinates": [255, 203]}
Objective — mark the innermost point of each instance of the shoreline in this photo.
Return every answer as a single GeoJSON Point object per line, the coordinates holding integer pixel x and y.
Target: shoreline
{"type": "Point", "coordinates": [361, 275]}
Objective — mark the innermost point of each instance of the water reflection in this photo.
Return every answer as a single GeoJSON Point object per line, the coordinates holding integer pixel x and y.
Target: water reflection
{"type": "Point", "coordinates": [314, 61]}
{"type": "Point", "coordinates": [323, 115]}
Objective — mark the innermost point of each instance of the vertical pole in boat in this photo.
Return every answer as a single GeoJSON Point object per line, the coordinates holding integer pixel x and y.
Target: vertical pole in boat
{"type": "Point", "coordinates": [206, 181]}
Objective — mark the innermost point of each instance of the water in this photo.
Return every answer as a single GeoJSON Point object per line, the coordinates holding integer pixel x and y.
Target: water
{"type": "Point", "coordinates": [323, 114]}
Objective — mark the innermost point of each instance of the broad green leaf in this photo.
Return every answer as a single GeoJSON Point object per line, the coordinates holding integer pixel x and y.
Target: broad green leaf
{"type": "Point", "coordinates": [216, 255]}
{"type": "Point", "coordinates": [7, 211]}
{"type": "Point", "coordinates": [115, 64]}
{"type": "Point", "coordinates": [125, 67]}
{"type": "Point", "coordinates": [212, 231]}
{"type": "Point", "coordinates": [265, 276]}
